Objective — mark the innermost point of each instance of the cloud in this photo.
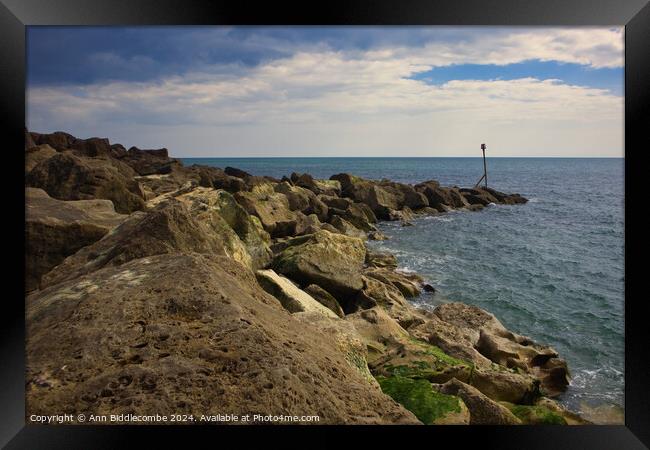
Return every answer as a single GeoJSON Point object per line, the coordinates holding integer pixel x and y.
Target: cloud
{"type": "Point", "coordinates": [321, 100]}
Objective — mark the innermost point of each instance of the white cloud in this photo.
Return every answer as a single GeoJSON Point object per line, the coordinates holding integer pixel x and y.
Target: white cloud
{"type": "Point", "coordinates": [324, 102]}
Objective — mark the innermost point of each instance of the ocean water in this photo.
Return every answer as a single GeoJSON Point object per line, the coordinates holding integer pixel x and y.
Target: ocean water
{"type": "Point", "coordinates": [552, 269]}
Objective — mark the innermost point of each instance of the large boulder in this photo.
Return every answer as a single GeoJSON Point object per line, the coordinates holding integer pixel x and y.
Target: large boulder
{"type": "Point", "coordinates": [345, 227]}
{"type": "Point", "coordinates": [360, 190]}
{"type": "Point", "coordinates": [292, 297]}
{"type": "Point", "coordinates": [169, 228]}
{"type": "Point", "coordinates": [203, 202]}
{"type": "Point", "coordinates": [37, 154]}
{"type": "Point", "coordinates": [482, 410]}
{"type": "Point", "coordinates": [55, 229]}
{"type": "Point", "coordinates": [58, 140]}
{"type": "Point", "coordinates": [272, 208]}
{"type": "Point", "coordinates": [489, 337]}
{"type": "Point", "coordinates": [407, 283]}
{"type": "Point", "coordinates": [303, 200]}
{"type": "Point", "coordinates": [192, 334]}
{"type": "Point", "coordinates": [216, 178]}
{"type": "Point", "coordinates": [332, 261]}
{"type": "Point", "coordinates": [325, 298]}
{"type": "Point", "coordinates": [66, 176]}
{"type": "Point", "coordinates": [149, 162]}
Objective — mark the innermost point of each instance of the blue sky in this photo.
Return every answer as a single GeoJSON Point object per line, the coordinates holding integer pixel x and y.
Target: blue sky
{"type": "Point", "coordinates": [332, 91]}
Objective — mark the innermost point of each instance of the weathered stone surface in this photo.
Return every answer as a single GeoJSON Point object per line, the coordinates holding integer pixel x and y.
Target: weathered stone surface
{"type": "Point", "coordinates": [499, 345]}
{"type": "Point", "coordinates": [290, 296]}
{"type": "Point", "coordinates": [191, 334]}
{"type": "Point", "coordinates": [482, 410]}
{"type": "Point", "coordinates": [381, 259]}
{"type": "Point", "coordinates": [66, 176]}
{"type": "Point", "coordinates": [58, 140]}
{"type": "Point", "coordinates": [203, 201]}
{"type": "Point", "coordinates": [272, 208]}
{"type": "Point", "coordinates": [408, 284]}
{"type": "Point", "coordinates": [325, 298]}
{"type": "Point", "coordinates": [377, 236]}
{"type": "Point", "coordinates": [55, 229]}
{"type": "Point", "coordinates": [149, 162]}
{"type": "Point", "coordinates": [303, 200]}
{"type": "Point", "coordinates": [234, 172]}
{"type": "Point", "coordinates": [346, 228]}
{"type": "Point", "coordinates": [37, 154]}
{"type": "Point", "coordinates": [332, 261]}
{"type": "Point", "coordinates": [169, 228]}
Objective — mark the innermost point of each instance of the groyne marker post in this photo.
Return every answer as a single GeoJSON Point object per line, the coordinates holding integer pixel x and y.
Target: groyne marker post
{"type": "Point", "coordinates": [484, 164]}
{"type": "Point", "coordinates": [484, 177]}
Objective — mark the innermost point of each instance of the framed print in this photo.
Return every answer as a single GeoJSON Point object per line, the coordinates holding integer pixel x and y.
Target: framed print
{"type": "Point", "coordinates": [390, 220]}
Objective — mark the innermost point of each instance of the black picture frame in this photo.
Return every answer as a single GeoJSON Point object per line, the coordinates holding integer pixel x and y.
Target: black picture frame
{"type": "Point", "coordinates": [15, 15]}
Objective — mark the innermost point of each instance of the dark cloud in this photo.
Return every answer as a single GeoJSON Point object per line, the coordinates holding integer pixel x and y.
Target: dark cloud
{"type": "Point", "coordinates": [84, 55]}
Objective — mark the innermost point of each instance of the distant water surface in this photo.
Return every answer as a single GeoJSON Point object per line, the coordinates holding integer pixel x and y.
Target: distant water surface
{"type": "Point", "coordinates": [552, 269]}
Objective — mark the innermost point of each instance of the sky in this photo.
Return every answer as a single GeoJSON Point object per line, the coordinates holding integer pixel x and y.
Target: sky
{"type": "Point", "coordinates": [332, 91]}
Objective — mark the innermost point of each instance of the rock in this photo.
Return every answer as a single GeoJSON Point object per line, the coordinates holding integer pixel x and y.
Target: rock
{"type": "Point", "coordinates": [211, 177]}
{"type": "Point", "coordinates": [346, 228]}
{"type": "Point", "coordinates": [169, 228]}
{"type": "Point", "coordinates": [55, 229]}
{"type": "Point", "coordinates": [509, 199]}
{"type": "Point", "coordinates": [29, 140]}
{"type": "Point", "coordinates": [441, 198]}
{"type": "Point", "coordinates": [248, 228]}
{"type": "Point", "coordinates": [303, 200]}
{"type": "Point", "coordinates": [381, 259]}
{"type": "Point", "coordinates": [428, 405]}
{"type": "Point", "coordinates": [482, 410]}
{"type": "Point", "coordinates": [377, 236]}
{"type": "Point", "coordinates": [290, 296]}
{"type": "Point", "coordinates": [407, 196]}
{"type": "Point", "coordinates": [387, 296]}
{"type": "Point", "coordinates": [428, 288]}
{"type": "Point", "coordinates": [91, 147]}
{"type": "Point", "coordinates": [406, 284]}
{"type": "Point", "coordinates": [508, 349]}
{"type": "Point", "coordinates": [536, 414]}
{"type": "Point", "coordinates": [332, 261]}
{"type": "Point", "coordinates": [404, 215]}
{"type": "Point", "coordinates": [193, 334]}
{"type": "Point", "coordinates": [379, 200]}
{"type": "Point", "coordinates": [346, 339]}
{"type": "Point", "coordinates": [271, 208]}
{"type": "Point", "coordinates": [341, 203]}
{"type": "Point", "coordinates": [325, 298]}
{"type": "Point", "coordinates": [58, 140]}
{"type": "Point", "coordinates": [68, 177]}
{"type": "Point", "coordinates": [149, 162]}
{"type": "Point", "coordinates": [238, 173]}
{"type": "Point", "coordinates": [37, 154]}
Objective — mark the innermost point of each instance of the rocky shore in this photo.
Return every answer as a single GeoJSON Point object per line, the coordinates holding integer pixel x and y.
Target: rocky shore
{"type": "Point", "coordinates": [156, 288]}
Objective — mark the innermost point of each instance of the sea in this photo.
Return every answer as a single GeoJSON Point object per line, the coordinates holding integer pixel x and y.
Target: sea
{"type": "Point", "coordinates": [551, 269]}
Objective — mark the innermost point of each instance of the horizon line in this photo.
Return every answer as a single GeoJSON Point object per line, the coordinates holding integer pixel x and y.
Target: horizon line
{"type": "Point", "coordinates": [395, 157]}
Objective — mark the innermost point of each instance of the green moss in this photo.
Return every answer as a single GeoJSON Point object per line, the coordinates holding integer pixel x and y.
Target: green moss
{"type": "Point", "coordinates": [535, 415]}
{"type": "Point", "coordinates": [418, 396]}
{"type": "Point", "coordinates": [441, 356]}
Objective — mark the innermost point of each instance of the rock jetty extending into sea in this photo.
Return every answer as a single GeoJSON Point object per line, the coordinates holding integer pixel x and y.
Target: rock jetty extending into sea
{"type": "Point", "coordinates": [156, 288]}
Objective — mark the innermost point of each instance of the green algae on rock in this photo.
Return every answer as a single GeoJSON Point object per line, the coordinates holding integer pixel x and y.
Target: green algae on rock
{"type": "Point", "coordinates": [420, 398]}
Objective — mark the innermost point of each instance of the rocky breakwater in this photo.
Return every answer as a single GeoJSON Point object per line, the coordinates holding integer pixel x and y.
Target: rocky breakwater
{"type": "Point", "coordinates": [159, 288]}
